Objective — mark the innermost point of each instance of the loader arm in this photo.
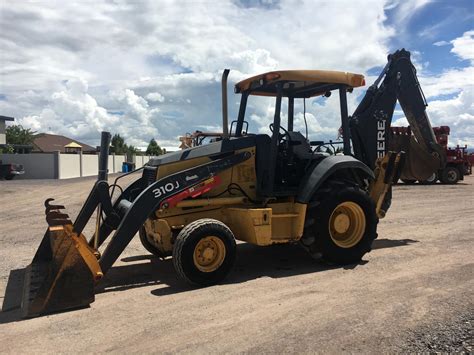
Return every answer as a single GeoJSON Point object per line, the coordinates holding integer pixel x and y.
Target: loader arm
{"type": "Point", "coordinates": [67, 267]}
{"type": "Point", "coordinates": [134, 213]}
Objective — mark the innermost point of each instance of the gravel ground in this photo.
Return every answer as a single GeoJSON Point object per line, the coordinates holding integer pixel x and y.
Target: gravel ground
{"type": "Point", "coordinates": [450, 336]}
{"type": "Point", "coordinates": [412, 293]}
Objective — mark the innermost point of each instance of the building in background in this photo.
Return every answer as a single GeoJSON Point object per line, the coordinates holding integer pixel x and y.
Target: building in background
{"type": "Point", "coordinates": [3, 137]}
{"type": "Point", "coordinates": [48, 143]}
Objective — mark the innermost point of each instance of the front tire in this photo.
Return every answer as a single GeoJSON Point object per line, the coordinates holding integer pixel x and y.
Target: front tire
{"type": "Point", "coordinates": [204, 252]}
{"type": "Point", "coordinates": [345, 224]}
{"type": "Point", "coordinates": [450, 175]}
{"type": "Point", "coordinates": [431, 180]}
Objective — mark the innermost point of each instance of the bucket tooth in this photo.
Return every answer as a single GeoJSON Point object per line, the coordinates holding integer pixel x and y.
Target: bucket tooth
{"type": "Point", "coordinates": [55, 218]}
{"type": "Point", "coordinates": [49, 207]}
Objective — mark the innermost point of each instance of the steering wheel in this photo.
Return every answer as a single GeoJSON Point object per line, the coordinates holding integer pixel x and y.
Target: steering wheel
{"type": "Point", "coordinates": [281, 137]}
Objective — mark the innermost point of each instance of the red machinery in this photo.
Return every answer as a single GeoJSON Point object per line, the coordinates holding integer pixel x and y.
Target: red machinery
{"type": "Point", "coordinates": [458, 161]}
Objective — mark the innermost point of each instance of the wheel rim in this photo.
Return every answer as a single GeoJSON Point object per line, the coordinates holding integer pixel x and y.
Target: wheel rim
{"type": "Point", "coordinates": [452, 175]}
{"type": "Point", "coordinates": [432, 178]}
{"type": "Point", "coordinates": [347, 224]}
{"type": "Point", "coordinates": [209, 254]}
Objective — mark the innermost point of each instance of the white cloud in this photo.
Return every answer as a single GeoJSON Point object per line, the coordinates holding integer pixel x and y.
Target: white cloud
{"type": "Point", "coordinates": [458, 113]}
{"type": "Point", "coordinates": [441, 43]}
{"type": "Point", "coordinates": [74, 112]}
{"type": "Point", "coordinates": [135, 54]}
{"type": "Point", "coordinates": [152, 68]}
{"type": "Point", "coordinates": [449, 82]}
{"type": "Point", "coordinates": [71, 111]}
{"type": "Point", "coordinates": [463, 46]}
{"type": "Point", "coordinates": [155, 96]}
{"type": "Point", "coordinates": [406, 9]}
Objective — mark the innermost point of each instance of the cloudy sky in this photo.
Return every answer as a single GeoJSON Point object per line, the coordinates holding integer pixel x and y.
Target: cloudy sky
{"type": "Point", "coordinates": [151, 69]}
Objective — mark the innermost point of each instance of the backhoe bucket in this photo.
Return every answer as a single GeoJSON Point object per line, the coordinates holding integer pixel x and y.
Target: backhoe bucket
{"type": "Point", "coordinates": [63, 272]}
{"type": "Point", "coordinates": [419, 164]}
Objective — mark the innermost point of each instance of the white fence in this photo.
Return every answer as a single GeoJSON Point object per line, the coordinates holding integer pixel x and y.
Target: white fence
{"type": "Point", "coordinates": [66, 166]}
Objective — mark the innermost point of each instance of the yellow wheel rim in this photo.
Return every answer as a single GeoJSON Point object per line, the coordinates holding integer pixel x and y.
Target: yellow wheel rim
{"type": "Point", "coordinates": [347, 224]}
{"type": "Point", "coordinates": [209, 254]}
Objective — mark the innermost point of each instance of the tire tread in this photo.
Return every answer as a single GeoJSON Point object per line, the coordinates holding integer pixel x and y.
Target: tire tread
{"type": "Point", "coordinates": [182, 239]}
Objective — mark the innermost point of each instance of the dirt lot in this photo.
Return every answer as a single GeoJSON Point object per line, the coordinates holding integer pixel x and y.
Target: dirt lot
{"type": "Point", "coordinates": [412, 292]}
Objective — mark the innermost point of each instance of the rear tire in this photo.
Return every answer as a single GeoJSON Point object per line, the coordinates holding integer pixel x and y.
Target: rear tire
{"type": "Point", "coordinates": [431, 180]}
{"type": "Point", "coordinates": [204, 252]}
{"type": "Point", "coordinates": [345, 224]}
{"type": "Point", "coordinates": [450, 175]}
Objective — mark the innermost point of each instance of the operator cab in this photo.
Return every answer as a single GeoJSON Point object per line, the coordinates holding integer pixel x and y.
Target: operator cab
{"type": "Point", "coordinates": [286, 156]}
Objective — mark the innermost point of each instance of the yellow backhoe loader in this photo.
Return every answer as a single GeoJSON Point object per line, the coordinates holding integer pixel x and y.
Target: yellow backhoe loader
{"type": "Point", "coordinates": [257, 188]}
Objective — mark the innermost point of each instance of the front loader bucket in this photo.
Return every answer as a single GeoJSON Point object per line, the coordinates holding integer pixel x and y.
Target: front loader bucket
{"type": "Point", "coordinates": [63, 272]}
{"type": "Point", "coordinates": [419, 164]}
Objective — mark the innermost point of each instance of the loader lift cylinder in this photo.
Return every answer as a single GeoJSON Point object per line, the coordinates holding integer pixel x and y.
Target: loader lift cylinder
{"type": "Point", "coordinates": [102, 176]}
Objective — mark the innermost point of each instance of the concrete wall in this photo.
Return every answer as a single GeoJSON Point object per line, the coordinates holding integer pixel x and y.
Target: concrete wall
{"type": "Point", "coordinates": [37, 166]}
{"type": "Point", "coordinates": [115, 163]}
{"type": "Point", "coordinates": [90, 165]}
{"type": "Point", "coordinates": [65, 166]}
{"type": "Point", "coordinates": [118, 160]}
{"type": "Point", "coordinates": [141, 160]}
{"type": "Point", "coordinates": [69, 166]}
{"type": "Point", "coordinates": [3, 139]}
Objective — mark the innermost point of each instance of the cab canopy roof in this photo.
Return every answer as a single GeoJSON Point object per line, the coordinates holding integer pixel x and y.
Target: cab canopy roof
{"type": "Point", "coordinates": [299, 83]}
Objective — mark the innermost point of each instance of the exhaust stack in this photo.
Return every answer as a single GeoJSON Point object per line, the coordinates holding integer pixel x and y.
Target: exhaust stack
{"type": "Point", "coordinates": [225, 118]}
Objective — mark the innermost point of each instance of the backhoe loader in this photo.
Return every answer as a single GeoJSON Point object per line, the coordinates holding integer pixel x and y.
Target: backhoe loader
{"type": "Point", "coordinates": [257, 188]}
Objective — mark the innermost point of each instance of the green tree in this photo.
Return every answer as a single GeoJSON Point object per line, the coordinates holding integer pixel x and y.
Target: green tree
{"type": "Point", "coordinates": [16, 134]}
{"type": "Point", "coordinates": [7, 149]}
{"type": "Point", "coordinates": [154, 149]}
{"type": "Point", "coordinates": [130, 149]}
{"type": "Point", "coordinates": [118, 145]}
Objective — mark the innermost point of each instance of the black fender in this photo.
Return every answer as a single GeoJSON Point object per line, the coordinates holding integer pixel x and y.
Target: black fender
{"type": "Point", "coordinates": [328, 166]}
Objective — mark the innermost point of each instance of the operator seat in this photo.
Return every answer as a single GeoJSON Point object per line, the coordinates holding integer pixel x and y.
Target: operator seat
{"type": "Point", "coordinates": [300, 146]}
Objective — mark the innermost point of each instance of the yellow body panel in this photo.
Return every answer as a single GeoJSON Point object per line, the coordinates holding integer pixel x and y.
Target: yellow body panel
{"type": "Point", "coordinates": [168, 169]}
{"type": "Point", "coordinates": [262, 224]}
{"type": "Point", "coordinates": [276, 223]}
{"type": "Point", "coordinates": [251, 225]}
{"type": "Point", "coordinates": [288, 220]}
